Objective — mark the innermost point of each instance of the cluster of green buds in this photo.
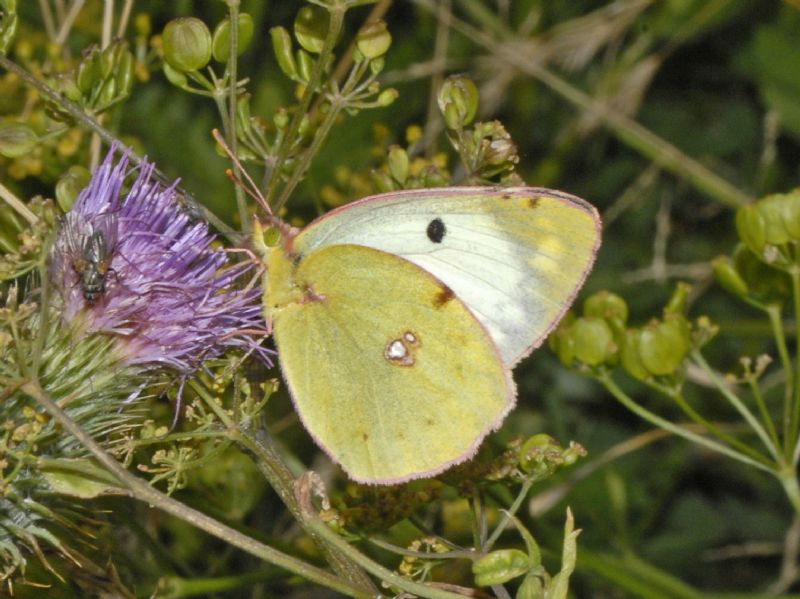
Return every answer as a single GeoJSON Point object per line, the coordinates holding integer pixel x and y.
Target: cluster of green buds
{"type": "Point", "coordinates": [21, 243]}
{"type": "Point", "coordinates": [760, 269]}
{"type": "Point", "coordinates": [102, 79]}
{"type": "Point", "coordinates": [504, 565]}
{"type": "Point", "coordinates": [600, 338]}
{"type": "Point", "coordinates": [486, 149]}
{"type": "Point", "coordinates": [540, 456]}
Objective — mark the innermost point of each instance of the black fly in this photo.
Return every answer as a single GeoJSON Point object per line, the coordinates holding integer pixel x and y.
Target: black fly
{"type": "Point", "coordinates": [89, 252]}
{"type": "Point", "coordinates": [92, 266]}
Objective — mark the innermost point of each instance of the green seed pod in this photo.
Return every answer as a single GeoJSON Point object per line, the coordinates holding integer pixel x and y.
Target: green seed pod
{"type": "Point", "coordinates": [663, 345]}
{"type": "Point", "coordinates": [70, 185]}
{"type": "Point", "coordinates": [187, 44]}
{"type": "Point", "coordinates": [498, 567]}
{"type": "Point", "coordinates": [398, 163]}
{"type": "Point", "coordinates": [123, 74]}
{"type": "Point", "coordinates": [790, 213]}
{"type": "Point", "coordinates": [532, 587]}
{"type": "Point", "coordinates": [630, 357]}
{"type": "Point", "coordinates": [16, 140]}
{"type": "Point", "coordinates": [771, 208]}
{"type": "Point", "coordinates": [282, 47]}
{"type": "Point", "coordinates": [764, 282]}
{"type": "Point", "coordinates": [89, 72]}
{"type": "Point", "coordinates": [174, 76]}
{"type": "Point", "coordinates": [311, 28]}
{"type": "Point", "coordinates": [751, 227]}
{"type": "Point", "coordinates": [387, 96]}
{"type": "Point", "coordinates": [727, 276]}
{"type": "Point", "coordinates": [594, 341]}
{"type": "Point", "coordinates": [678, 299]}
{"type": "Point", "coordinates": [373, 40]}
{"type": "Point", "coordinates": [607, 305]}
{"type": "Point", "coordinates": [305, 64]}
{"type": "Point", "coordinates": [458, 101]}
{"type": "Point", "coordinates": [532, 454]}
{"type": "Point", "coordinates": [221, 40]}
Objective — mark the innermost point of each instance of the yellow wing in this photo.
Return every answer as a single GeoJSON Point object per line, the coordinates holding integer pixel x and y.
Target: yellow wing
{"type": "Point", "coordinates": [390, 373]}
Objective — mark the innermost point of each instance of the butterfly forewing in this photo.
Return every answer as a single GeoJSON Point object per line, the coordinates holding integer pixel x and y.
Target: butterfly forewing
{"type": "Point", "coordinates": [515, 257]}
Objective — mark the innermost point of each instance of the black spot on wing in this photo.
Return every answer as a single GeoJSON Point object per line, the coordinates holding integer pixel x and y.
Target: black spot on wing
{"type": "Point", "coordinates": [436, 230]}
{"type": "Point", "coordinates": [533, 201]}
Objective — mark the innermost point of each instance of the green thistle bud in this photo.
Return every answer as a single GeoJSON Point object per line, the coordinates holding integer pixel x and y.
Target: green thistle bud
{"type": "Point", "coordinates": [373, 40]}
{"type": "Point", "coordinates": [282, 47]}
{"type": "Point", "coordinates": [727, 276]}
{"type": "Point", "coordinates": [221, 40]}
{"type": "Point", "coordinates": [311, 28]}
{"type": "Point", "coordinates": [498, 567]}
{"type": "Point", "coordinates": [593, 341]}
{"type": "Point", "coordinates": [663, 345]}
{"type": "Point", "coordinates": [16, 140]}
{"type": "Point", "coordinates": [187, 44]}
{"type": "Point", "coordinates": [458, 101]}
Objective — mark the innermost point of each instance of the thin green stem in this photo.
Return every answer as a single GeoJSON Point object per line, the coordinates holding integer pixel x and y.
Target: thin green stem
{"type": "Point", "coordinates": [508, 515]}
{"type": "Point", "coordinates": [336, 19]}
{"type": "Point", "coordinates": [271, 465]}
{"type": "Point", "coordinates": [230, 131]}
{"type": "Point", "coordinates": [766, 417]}
{"type": "Point", "coordinates": [605, 378]}
{"type": "Point", "coordinates": [737, 403]}
{"type": "Point", "coordinates": [792, 436]}
{"type": "Point", "coordinates": [788, 478]}
{"type": "Point", "coordinates": [17, 204]}
{"type": "Point", "coordinates": [143, 492]}
{"type": "Point", "coordinates": [773, 312]}
{"type": "Point", "coordinates": [712, 428]}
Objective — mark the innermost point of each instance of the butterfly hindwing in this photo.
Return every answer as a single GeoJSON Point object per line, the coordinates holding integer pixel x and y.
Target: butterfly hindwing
{"type": "Point", "coordinates": [389, 371]}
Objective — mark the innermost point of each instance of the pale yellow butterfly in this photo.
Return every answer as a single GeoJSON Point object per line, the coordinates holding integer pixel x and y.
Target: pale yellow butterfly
{"type": "Point", "coordinates": [398, 318]}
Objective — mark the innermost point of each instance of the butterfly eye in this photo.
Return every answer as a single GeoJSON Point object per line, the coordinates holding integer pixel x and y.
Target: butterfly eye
{"type": "Point", "coordinates": [436, 230]}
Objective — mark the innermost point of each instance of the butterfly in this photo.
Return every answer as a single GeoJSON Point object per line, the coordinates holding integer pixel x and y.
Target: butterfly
{"type": "Point", "coordinates": [398, 318]}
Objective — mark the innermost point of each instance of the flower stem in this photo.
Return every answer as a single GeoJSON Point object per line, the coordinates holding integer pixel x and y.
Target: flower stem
{"type": "Point", "coordinates": [737, 403]}
{"type": "Point", "coordinates": [605, 378]}
{"type": "Point", "coordinates": [794, 421]}
{"type": "Point", "coordinates": [337, 18]}
{"type": "Point", "coordinates": [271, 465]}
{"type": "Point", "coordinates": [143, 492]}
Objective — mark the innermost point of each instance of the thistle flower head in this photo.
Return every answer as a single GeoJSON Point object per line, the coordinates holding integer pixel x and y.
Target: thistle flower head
{"type": "Point", "coordinates": [129, 262]}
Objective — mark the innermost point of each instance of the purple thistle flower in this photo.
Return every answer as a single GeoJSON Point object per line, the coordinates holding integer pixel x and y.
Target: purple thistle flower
{"type": "Point", "coordinates": [134, 265]}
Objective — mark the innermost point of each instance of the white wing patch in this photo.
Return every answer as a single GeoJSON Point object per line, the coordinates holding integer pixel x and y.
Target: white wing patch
{"type": "Point", "coordinates": [513, 269]}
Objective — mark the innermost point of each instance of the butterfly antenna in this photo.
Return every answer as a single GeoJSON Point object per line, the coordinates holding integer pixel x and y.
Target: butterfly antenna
{"type": "Point", "coordinates": [251, 189]}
